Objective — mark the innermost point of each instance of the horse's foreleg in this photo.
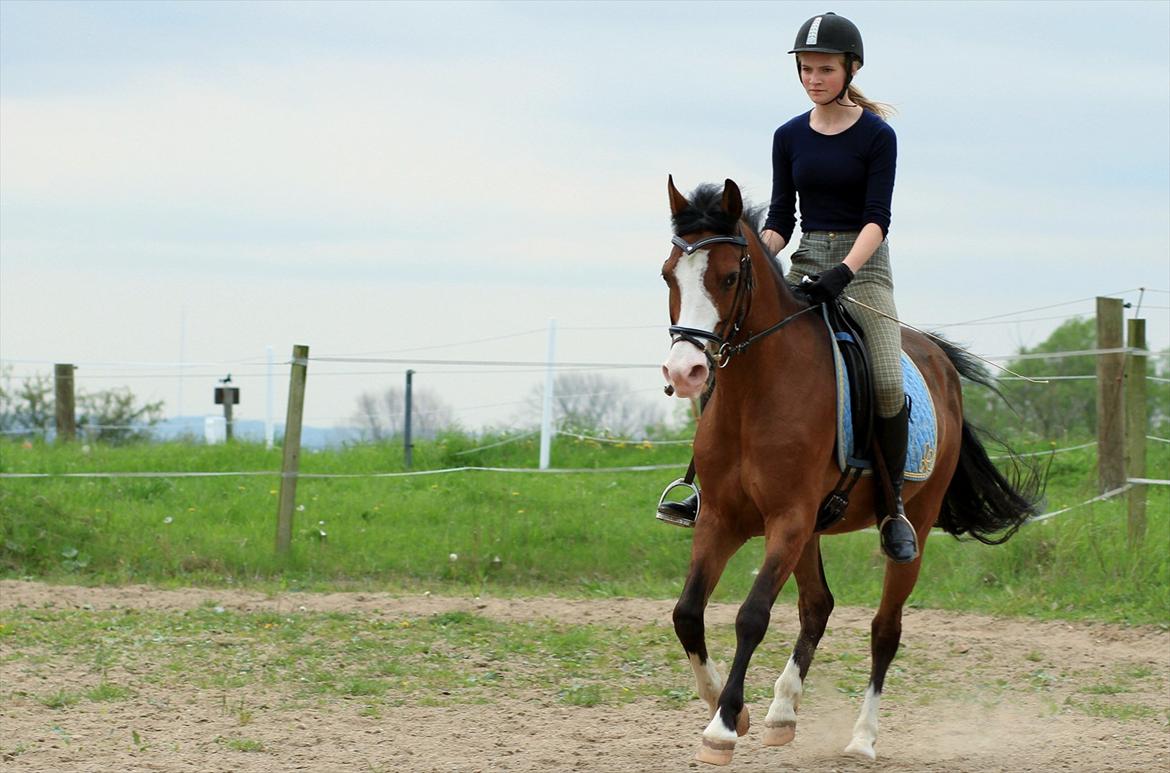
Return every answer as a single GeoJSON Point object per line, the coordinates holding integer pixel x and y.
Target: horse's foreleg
{"type": "Point", "coordinates": [710, 553]}
{"type": "Point", "coordinates": [885, 635]}
{"type": "Point", "coordinates": [815, 604]}
{"type": "Point", "coordinates": [730, 720]}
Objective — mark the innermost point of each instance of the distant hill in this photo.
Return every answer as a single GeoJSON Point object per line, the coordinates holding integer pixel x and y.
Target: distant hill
{"type": "Point", "coordinates": [311, 437]}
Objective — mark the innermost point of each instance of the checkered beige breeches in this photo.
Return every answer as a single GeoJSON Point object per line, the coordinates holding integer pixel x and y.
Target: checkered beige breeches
{"type": "Point", "coordinates": [874, 286]}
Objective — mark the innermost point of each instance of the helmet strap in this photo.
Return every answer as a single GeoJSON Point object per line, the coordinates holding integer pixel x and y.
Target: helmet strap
{"type": "Point", "coordinates": [850, 57]}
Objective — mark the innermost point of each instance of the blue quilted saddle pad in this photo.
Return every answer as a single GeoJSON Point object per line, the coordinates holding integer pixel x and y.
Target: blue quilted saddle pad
{"type": "Point", "coordinates": [922, 441]}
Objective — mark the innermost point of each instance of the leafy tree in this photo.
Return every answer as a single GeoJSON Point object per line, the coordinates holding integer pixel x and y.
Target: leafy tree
{"type": "Point", "coordinates": [380, 416]}
{"type": "Point", "coordinates": [110, 416]}
{"type": "Point", "coordinates": [114, 415]}
{"type": "Point", "coordinates": [27, 404]}
{"type": "Point", "coordinates": [1059, 408]}
{"type": "Point", "coordinates": [592, 402]}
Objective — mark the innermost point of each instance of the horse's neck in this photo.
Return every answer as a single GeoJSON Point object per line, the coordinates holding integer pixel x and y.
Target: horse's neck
{"type": "Point", "coordinates": [772, 300]}
{"type": "Point", "coordinates": [796, 347]}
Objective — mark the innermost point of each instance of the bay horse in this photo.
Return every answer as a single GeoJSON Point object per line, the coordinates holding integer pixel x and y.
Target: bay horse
{"type": "Point", "coordinates": [764, 452]}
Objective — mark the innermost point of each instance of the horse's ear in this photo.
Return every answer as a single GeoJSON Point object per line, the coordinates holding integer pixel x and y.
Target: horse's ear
{"type": "Point", "coordinates": [678, 202]}
{"type": "Point", "coordinates": [732, 200]}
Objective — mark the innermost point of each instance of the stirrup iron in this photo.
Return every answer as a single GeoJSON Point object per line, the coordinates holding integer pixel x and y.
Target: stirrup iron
{"type": "Point", "coordinates": [913, 537]}
{"type": "Point", "coordinates": [669, 517]}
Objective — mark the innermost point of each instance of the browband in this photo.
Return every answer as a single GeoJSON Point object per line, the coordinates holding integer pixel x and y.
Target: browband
{"type": "Point", "coordinates": [689, 248]}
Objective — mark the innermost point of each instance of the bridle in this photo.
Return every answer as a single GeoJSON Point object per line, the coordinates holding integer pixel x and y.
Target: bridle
{"type": "Point", "coordinates": [743, 286]}
{"type": "Point", "coordinates": [740, 307]}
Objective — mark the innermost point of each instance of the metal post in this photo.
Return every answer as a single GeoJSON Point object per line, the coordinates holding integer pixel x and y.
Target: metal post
{"type": "Point", "coordinates": [65, 403]}
{"type": "Point", "coordinates": [182, 357]}
{"type": "Point", "coordinates": [292, 447]}
{"type": "Point", "coordinates": [1136, 428]}
{"type": "Point", "coordinates": [1110, 395]}
{"type": "Point", "coordinates": [546, 418]}
{"type": "Point", "coordinates": [407, 445]}
{"type": "Point", "coordinates": [270, 411]}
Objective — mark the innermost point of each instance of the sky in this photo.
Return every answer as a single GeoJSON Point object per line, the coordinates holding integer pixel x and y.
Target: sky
{"type": "Point", "coordinates": [185, 184]}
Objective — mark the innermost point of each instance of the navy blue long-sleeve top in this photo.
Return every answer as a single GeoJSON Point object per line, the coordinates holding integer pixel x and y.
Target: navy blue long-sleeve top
{"type": "Point", "coordinates": [844, 181]}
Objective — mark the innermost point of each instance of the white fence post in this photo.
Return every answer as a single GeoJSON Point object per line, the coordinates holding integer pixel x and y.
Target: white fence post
{"type": "Point", "coordinates": [546, 414]}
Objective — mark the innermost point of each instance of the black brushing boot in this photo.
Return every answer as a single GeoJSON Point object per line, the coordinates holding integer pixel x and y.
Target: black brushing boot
{"type": "Point", "coordinates": [899, 541]}
{"type": "Point", "coordinates": [681, 513]}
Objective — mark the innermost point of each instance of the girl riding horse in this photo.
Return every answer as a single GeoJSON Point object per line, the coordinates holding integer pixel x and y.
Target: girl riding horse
{"type": "Point", "coordinates": [839, 160]}
{"type": "Point", "coordinates": [764, 449]}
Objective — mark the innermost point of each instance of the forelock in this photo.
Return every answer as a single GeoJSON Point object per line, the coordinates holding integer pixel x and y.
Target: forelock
{"type": "Point", "coordinates": [705, 213]}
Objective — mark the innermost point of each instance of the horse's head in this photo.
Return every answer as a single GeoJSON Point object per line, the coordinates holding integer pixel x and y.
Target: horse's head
{"type": "Point", "coordinates": [707, 297]}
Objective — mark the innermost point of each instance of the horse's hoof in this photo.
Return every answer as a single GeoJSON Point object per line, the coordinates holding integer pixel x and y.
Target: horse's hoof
{"type": "Point", "coordinates": [715, 752]}
{"type": "Point", "coordinates": [742, 722]}
{"type": "Point", "coordinates": [779, 733]}
{"type": "Point", "coordinates": [861, 749]}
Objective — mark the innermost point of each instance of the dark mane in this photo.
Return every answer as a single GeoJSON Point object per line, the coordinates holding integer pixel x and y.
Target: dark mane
{"type": "Point", "coordinates": [705, 213]}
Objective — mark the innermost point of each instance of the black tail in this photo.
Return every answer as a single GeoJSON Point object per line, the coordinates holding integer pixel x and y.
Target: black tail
{"type": "Point", "coordinates": [981, 500]}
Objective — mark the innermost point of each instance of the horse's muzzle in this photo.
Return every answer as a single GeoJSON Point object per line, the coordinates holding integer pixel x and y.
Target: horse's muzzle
{"type": "Point", "coordinates": [686, 370]}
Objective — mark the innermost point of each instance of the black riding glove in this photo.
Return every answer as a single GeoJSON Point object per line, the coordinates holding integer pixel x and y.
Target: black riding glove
{"type": "Point", "coordinates": [825, 287]}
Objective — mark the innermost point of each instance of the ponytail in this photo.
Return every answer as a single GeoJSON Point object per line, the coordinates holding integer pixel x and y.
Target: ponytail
{"type": "Point", "coordinates": [880, 109]}
{"type": "Point", "coordinates": [853, 94]}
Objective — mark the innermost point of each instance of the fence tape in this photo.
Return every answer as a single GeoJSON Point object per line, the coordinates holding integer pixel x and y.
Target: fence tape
{"type": "Point", "coordinates": [337, 475]}
{"type": "Point", "coordinates": [635, 468]}
{"type": "Point", "coordinates": [1158, 439]}
{"type": "Point", "coordinates": [503, 442]}
{"type": "Point", "coordinates": [490, 363]}
{"type": "Point", "coordinates": [1149, 482]}
{"type": "Point", "coordinates": [1076, 353]}
{"type": "Point", "coordinates": [626, 441]}
{"type": "Point", "coordinates": [1099, 498]}
{"type": "Point", "coordinates": [1044, 453]}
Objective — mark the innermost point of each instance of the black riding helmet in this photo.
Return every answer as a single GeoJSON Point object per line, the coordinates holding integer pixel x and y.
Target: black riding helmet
{"type": "Point", "coordinates": [829, 33]}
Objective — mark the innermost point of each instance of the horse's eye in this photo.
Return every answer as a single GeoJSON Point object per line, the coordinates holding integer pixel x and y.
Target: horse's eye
{"type": "Point", "coordinates": [731, 279]}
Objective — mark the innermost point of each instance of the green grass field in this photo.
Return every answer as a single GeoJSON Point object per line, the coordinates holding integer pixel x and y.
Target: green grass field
{"type": "Point", "coordinates": [574, 534]}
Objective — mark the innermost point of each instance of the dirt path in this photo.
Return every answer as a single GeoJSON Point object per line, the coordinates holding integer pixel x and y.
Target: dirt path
{"type": "Point", "coordinates": [1001, 695]}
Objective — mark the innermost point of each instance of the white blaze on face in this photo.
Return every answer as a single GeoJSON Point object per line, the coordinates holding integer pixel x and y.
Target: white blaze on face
{"type": "Point", "coordinates": [696, 307]}
{"type": "Point", "coordinates": [696, 310]}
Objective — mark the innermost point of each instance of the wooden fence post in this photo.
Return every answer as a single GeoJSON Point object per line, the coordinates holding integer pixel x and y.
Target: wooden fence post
{"type": "Point", "coordinates": [66, 406]}
{"type": "Point", "coordinates": [1135, 428]}
{"type": "Point", "coordinates": [292, 447]}
{"type": "Point", "coordinates": [1110, 395]}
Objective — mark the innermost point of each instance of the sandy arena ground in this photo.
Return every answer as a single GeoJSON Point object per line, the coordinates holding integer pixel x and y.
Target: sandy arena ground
{"type": "Point", "coordinates": [951, 732]}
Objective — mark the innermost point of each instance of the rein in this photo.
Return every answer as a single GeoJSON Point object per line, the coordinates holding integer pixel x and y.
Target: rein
{"type": "Point", "coordinates": [727, 351]}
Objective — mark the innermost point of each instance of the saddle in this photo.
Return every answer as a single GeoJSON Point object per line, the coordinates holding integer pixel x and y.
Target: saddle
{"type": "Point", "coordinates": [856, 416]}
{"type": "Point", "coordinates": [853, 359]}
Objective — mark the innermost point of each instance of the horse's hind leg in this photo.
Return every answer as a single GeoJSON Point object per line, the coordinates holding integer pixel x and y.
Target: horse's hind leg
{"type": "Point", "coordinates": [815, 604]}
{"type": "Point", "coordinates": [885, 635]}
{"type": "Point", "coordinates": [709, 554]}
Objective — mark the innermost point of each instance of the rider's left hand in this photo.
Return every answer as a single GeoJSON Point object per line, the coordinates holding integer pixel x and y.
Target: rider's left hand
{"type": "Point", "coordinates": [827, 286]}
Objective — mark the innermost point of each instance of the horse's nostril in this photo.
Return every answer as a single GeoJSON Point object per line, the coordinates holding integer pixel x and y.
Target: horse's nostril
{"type": "Point", "coordinates": [697, 373]}
{"type": "Point", "coordinates": [666, 374]}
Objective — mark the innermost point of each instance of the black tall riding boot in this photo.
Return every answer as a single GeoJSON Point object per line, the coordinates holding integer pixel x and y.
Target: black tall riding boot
{"type": "Point", "coordinates": [898, 539]}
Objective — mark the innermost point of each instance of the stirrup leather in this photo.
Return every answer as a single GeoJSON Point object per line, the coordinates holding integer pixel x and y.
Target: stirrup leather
{"type": "Point", "coordinates": [669, 517]}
